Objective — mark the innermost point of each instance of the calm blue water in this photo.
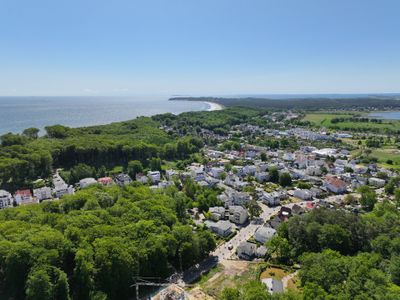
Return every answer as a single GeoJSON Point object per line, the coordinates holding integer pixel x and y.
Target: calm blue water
{"type": "Point", "coordinates": [386, 115]}
{"type": "Point", "coordinates": [18, 113]}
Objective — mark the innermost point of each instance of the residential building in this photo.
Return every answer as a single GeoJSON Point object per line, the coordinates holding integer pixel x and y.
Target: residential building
{"type": "Point", "coordinates": [297, 210]}
{"type": "Point", "coordinates": [6, 200]}
{"type": "Point", "coordinates": [249, 170]}
{"type": "Point", "coordinates": [42, 193]}
{"type": "Point", "coordinates": [335, 185]}
{"type": "Point", "coordinates": [85, 182]}
{"type": "Point", "coordinates": [246, 250]}
{"type": "Point", "coordinates": [216, 172]}
{"type": "Point", "coordinates": [142, 178]}
{"type": "Point", "coordinates": [198, 174]}
{"type": "Point", "coordinates": [273, 285]}
{"type": "Point", "coordinates": [239, 198]}
{"type": "Point", "coordinates": [238, 214]}
{"type": "Point", "coordinates": [60, 187]}
{"type": "Point", "coordinates": [105, 181]}
{"type": "Point", "coordinates": [170, 174]}
{"type": "Point", "coordinates": [264, 234]}
{"type": "Point", "coordinates": [262, 176]}
{"type": "Point", "coordinates": [122, 179]}
{"type": "Point", "coordinates": [221, 228]}
{"type": "Point", "coordinates": [154, 176]}
{"type": "Point", "coordinates": [285, 213]}
{"type": "Point", "coordinates": [217, 213]}
{"type": "Point", "coordinates": [23, 197]}
{"type": "Point", "coordinates": [377, 182]}
{"type": "Point", "coordinates": [302, 194]}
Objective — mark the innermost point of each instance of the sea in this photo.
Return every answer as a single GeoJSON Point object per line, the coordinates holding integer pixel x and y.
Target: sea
{"type": "Point", "coordinates": [19, 113]}
{"type": "Point", "coordinates": [386, 115]}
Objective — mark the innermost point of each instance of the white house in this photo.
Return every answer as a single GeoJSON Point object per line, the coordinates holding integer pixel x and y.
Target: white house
{"type": "Point", "coordinates": [250, 154]}
{"type": "Point", "coordinates": [221, 228]}
{"type": "Point", "coordinates": [42, 193]}
{"type": "Point", "coordinates": [6, 199]}
{"type": "Point", "coordinates": [216, 172]}
{"type": "Point", "coordinates": [217, 213]}
{"type": "Point", "coordinates": [85, 182]}
{"type": "Point", "coordinates": [238, 214]}
{"type": "Point", "coordinates": [313, 171]}
{"type": "Point", "coordinates": [246, 250]}
{"type": "Point", "coordinates": [61, 188]}
{"type": "Point", "coordinates": [288, 156]}
{"type": "Point", "coordinates": [198, 174]}
{"type": "Point", "coordinates": [273, 285]}
{"type": "Point", "coordinates": [302, 194]}
{"type": "Point", "coordinates": [271, 199]}
{"type": "Point", "coordinates": [264, 234]}
{"type": "Point", "coordinates": [170, 174]}
{"type": "Point", "coordinates": [249, 170]}
{"type": "Point", "coordinates": [239, 198]}
{"type": "Point", "coordinates": [376, 182]}
{"type": "Point", "coordinates": [262, 176]}
{"type": "Point", "coordinates": [155, 176]}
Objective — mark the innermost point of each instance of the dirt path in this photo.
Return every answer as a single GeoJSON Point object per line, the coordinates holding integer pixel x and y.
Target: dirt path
{"type": "Point", "coordinates": [287, 278]}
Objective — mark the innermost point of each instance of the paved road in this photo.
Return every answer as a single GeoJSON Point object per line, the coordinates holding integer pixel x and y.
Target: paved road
{"type": "Point", "coordinates": [222, 251]}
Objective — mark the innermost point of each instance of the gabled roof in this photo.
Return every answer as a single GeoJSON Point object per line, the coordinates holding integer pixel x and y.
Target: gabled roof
{"type": "Point", "coordinates": [336, 182]}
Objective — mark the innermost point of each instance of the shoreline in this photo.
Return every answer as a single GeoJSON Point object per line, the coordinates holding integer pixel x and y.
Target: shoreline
{"type": "Point", "coordinates": [214, 106]}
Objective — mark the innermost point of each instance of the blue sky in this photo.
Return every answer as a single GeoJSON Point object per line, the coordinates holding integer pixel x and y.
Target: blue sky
{"type": "Point", "coordinates": [132, 47]}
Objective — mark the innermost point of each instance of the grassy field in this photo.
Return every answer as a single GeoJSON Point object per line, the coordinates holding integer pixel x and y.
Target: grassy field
{"type": "Point", "coordinates": [383, 154]}
{"type": "Point", "coordinates": [324, 120]}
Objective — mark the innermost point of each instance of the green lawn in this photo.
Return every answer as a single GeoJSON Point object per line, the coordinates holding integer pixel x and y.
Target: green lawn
{"type": "Point", "coordinates": [383, 154]}
{"type": "Point", "coordinates": [324, 119]}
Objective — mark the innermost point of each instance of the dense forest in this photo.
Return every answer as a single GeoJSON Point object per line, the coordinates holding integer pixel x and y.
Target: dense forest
{"type": "Point", "coordinates": [343, 255]}
{"type": "Point", "coordinates": [311, 104]}
{"type": "Point", "coordinates": [92, 244]}
{"type": "Point", "coordinates": [26, 157]}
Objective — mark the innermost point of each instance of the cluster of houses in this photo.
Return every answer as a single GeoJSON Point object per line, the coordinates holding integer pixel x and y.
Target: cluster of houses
{"type": "Point", "coordinates": [61, 188]}
{"type": "Point", "coordinates": [328, 173]}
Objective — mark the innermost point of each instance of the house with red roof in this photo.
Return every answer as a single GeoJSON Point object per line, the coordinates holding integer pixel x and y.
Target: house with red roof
{"type": "Point", "coordinates": [105, 181]}
{"type": "Point", "coordinates": [23, 197]}
{"type": "Point", "coordinates": [335, 185]}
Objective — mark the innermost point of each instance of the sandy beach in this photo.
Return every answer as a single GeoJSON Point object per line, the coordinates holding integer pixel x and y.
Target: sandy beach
{"type": "Point", "coordinates": [214, 106]}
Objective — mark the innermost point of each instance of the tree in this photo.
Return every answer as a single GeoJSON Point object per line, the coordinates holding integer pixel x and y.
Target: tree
{"type": "Point", "coordinates": [254, 209]}
{"type": "Point", "coordinates": [285, 179]}
{"type": "Point", "coordinates": [312, 291]}
{"type": "Point", "coordinates": [334, 237]}
{"type": "Point", "coordinates": [255, 290]}
{"type": "Point", "coordinates": [134, 167]}
{"type": "Point", "coordinates": [31, 133]}
{"type": "Point", "coordinates": [368, 197]}
{"type": "Point", "coordinates": [11, 139]}
{"type": "Point", "coordinates": [397, 196]}
{"type": "Point", "coordinates": [274, 174]}
{"type": "Point", "coordinates": [38, 285]}
{"type": "Point", "coordinates": [47, 282]}
{"type": "Point", "coordinates": [81, 171]}
{"type": "Point", "coordinates": [155, 164]}
{"type": "Point", "coordinates": [395, 269]}
{"type": "Point", "coordinates": [229, 294]}
{"type": "Point", "coordinates": [57, 131]}
{"type": "Point", "coordinates": [263, 156]}
{"type": "Point", "coordinates": [280, 248]}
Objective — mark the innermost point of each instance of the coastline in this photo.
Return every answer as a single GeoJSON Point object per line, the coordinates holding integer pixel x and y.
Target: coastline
{"type": "Point", "coordinates": [214, 106]}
